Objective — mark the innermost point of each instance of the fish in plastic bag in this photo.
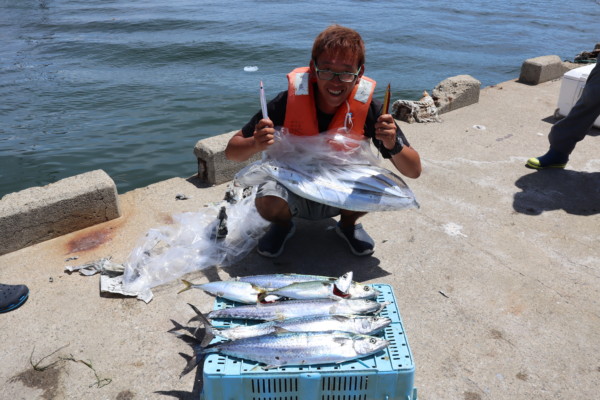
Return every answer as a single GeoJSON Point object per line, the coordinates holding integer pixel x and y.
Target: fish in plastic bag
{"type": "Point", "coordinates": [333, 169]}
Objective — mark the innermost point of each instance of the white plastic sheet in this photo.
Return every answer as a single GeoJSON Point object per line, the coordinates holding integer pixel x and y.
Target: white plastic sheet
{"type": "Point", "coordinates": [191, 243]}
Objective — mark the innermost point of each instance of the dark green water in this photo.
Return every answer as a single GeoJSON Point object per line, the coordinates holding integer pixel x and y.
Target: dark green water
{"type": "Point", "coordinates": [131, 86]}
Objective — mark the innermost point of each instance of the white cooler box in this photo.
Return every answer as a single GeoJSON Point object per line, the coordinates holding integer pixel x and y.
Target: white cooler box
{"type": "Point", "coordinates": [570, 90]}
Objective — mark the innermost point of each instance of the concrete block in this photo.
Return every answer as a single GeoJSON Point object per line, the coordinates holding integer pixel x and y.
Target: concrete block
{"type": "Point", "coordinates": [41, 213]}
{"type": "Point", "coordinates": [456, 92]}
{"type": "Point", "coordinates": [213, 167]}
{"type": "Point", "coordinates": [541, 69]}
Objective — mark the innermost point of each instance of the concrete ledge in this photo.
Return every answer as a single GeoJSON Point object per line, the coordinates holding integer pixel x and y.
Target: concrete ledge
{"type": "Point", "coordinates": [456, 92]}
{"type": "Point", "coordinates": [541, 69]}
{"type": "Point", "coordinates": [213, 167]}
{"type": "Point", "coordinates": [41, 213]}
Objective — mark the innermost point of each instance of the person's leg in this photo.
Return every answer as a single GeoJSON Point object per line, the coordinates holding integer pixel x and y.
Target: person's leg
{"type": "Point", "coordinates": [566, 133]}
{"type": "Point", "coordinates": [361, 244]}
{"type": "Point", "coordinates": [272, 204]}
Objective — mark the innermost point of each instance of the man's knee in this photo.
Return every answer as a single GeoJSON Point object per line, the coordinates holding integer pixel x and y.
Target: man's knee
{"type": "Point", "coordinates": [272, 208]}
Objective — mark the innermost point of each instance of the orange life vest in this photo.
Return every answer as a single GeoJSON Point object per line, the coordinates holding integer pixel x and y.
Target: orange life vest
{"type": "Point", "coordinates": [301, 111]}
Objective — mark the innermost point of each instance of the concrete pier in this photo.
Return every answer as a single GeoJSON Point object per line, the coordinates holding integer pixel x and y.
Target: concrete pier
{"type": "Point", "coordinates": [497, 275]}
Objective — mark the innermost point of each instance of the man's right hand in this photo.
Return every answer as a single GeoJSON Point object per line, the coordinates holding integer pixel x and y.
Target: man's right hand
{"type": "Point", "coordinates": [264, 134]}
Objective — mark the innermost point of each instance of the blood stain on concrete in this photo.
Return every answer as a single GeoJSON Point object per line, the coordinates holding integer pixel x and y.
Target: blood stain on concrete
{"type": "Point", "coordinates": [89, 240]}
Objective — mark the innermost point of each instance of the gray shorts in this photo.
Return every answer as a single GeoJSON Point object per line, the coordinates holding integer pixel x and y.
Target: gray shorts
{"type": "Point", "coordinates": [299, 206]}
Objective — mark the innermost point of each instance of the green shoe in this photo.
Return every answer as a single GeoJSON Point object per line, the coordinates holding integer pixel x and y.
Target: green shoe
{"type": "Point", "coordinates": [552, 159]}
{"type": "Point", "coordinates": [536, 164]}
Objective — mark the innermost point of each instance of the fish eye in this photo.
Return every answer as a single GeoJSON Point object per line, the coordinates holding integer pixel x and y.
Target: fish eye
{"type": "Point", "coordinates": [372, 340]}
{"type": "Point", "coordinates": [366, 288]}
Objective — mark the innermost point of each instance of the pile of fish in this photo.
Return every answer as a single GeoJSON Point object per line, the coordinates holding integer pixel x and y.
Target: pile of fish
{"type": "Point", "coordinates": [307, 320]}
{"type": "Point", "coordinates": [350, 179]}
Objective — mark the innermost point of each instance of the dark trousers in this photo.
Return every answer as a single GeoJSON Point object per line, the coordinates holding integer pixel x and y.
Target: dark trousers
{"type": "Point", "coordinates": [565, 134]}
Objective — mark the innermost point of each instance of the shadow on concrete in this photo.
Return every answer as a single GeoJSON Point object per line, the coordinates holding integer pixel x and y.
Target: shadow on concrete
{"type": "Point", "coordinates": [315, 249]}
{"type": "Point", "coordinates": [199, 183]}
{"type": "Point", "coordinates": [574, 192]}
{"type": "Point", "coordinates": [553, 120]}
{"type": "Point", "coordinates": [188, 336]}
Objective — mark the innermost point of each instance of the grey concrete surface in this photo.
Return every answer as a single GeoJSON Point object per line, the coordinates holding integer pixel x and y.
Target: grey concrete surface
{"type": "Point", "coordinates": [40, 213]}
{"type": "Point", "coordinates": [497, 275]}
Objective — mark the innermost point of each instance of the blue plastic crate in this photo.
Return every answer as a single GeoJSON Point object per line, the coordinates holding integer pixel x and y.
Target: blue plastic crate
{"type": "Point", "coordinates": [387, 375]}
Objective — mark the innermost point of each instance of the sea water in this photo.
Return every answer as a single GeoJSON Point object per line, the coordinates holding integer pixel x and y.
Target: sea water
{"type": "Point", "coordinates": [129, 86]}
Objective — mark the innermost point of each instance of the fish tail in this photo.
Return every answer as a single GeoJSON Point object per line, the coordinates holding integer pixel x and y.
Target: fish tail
{"type": "Point", "coordinates": [188, 286]}
{"type": "Point", "coordinates": [209, 330]}
{"type": "Point", "coordinates": [199, 354]}
{"type": "Point", "coordinates": [195, 360]}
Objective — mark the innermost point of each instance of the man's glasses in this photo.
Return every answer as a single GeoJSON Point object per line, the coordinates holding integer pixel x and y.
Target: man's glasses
{"type": "Point", "coordinates": [327, 75]}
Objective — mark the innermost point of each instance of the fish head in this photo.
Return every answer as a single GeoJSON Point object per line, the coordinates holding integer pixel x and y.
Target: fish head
{"type": "Point", "coordinates": [362, 306]}
{"type": "Point", "coordinates": [365, 344]}
{"type": "Point", "coordinates": [344, 282]}
{"type": "Point", "coordinates": [359, 291]}
{"type": "Point", "coordinates": [372, 324]}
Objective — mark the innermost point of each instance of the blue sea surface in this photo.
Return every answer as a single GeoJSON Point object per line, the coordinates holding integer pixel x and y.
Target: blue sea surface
{"type": "Point", "coordinates": [129, 86]}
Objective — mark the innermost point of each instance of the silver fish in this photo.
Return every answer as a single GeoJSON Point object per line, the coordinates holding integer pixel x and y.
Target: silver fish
{"type": "Point", "coordinates": [313, 289]}
{"type": "Point", "coordinates": [277, 281]}
{"type": "Point", "coordinates": [298, 308]}
{"type": "Point", "coordinates": [241, 292]}
{"type": "Point", "coordinates": [355, 187]}
{"type": "Point", "coordinates": [343, 282]}
{"type": "Point", "coordinates": [365, 325]}
{"type": "Point", "coordinates": [300, 348]}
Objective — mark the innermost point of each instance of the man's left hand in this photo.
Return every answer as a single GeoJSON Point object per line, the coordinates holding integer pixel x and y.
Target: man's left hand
{"type": "Point", "coordinates": [385, 130]}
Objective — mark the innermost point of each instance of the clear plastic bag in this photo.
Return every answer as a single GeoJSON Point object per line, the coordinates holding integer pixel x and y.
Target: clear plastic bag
{"type": "Point", "coordinates": [193, 242]}
{"type": "Point", "coordinates": [332, 168]}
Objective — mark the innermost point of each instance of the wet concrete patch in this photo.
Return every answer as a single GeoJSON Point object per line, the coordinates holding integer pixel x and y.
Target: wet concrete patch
{"type": "Point", "coordinates": [47, 380]}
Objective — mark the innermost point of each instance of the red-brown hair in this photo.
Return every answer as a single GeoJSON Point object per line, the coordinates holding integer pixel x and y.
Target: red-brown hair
{"type": "Point", "coordinates": [339, 39]}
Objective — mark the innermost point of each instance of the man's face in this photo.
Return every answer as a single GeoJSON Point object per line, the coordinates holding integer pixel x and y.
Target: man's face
{"type": "Point", "coordinates": [331, 94]}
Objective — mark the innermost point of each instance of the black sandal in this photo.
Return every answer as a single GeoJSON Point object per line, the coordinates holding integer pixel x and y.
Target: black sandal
{"type": "Point", "coordinates": [12, 296]}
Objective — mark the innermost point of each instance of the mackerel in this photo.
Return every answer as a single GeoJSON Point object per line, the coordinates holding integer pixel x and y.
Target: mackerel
{"type": "Point", "coordinates": [361, 324]}
{"type": "Point", "coordinates": [299, 348]}
{"type": "Point", "coordinates": [298, 308]}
